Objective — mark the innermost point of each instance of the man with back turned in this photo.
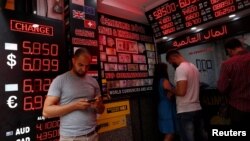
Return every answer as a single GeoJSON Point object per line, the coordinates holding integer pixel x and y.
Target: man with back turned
{"type": "Point", "coordinates": [75, 98]}
{"type": "Point", "coordinates": [234, 81]}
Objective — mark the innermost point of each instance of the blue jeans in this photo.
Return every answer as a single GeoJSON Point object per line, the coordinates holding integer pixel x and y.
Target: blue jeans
{"type": "Point", "coordinates": [191, 126]}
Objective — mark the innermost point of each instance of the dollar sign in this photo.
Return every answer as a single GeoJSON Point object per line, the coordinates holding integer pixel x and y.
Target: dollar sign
{"type": "Point", "coordinates": [11, 60]}
{"type": "Point", "coordinates": [150, 17]}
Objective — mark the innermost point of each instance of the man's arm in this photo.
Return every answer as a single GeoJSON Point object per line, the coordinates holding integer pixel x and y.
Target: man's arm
{"type": "Point", "coordinates": [52, 109]}
{"type": "Point", "coordinates": [166, 86]}
{"type": "Point", "coordinates": [180, 89]}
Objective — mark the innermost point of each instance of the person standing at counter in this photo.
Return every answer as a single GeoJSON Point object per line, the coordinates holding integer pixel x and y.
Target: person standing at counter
{"type": "Point", "coordinates": [234, 81]}
{"type": "Point", "coordinates": [75, 98]}
{"type": "Point", "coordinates": [166, 108]}
{"type": "Point", "coordinates": [189, 110]}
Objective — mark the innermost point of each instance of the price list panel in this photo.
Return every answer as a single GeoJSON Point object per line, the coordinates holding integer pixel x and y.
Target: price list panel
{"type": "Point", "coordinates": [176, 15]}
{"type": "Point", "coordinates": [32, 54]}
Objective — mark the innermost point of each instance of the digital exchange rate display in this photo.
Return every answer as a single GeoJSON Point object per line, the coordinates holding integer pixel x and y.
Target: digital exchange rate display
{"type": "Point", "coordinates": [32, 54]}
{"type": "Point", "coordinates": [177, 15]}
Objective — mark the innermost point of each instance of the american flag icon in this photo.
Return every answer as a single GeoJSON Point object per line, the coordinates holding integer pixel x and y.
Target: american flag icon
{"type": "Point", "coordinates": [78, 14]}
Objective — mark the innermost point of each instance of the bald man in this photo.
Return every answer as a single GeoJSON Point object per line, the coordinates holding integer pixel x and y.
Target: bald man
{"type": "Point", "coordinates": [75, 98]}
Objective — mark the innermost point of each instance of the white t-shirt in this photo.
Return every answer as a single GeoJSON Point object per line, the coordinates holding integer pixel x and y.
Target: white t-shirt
{"type": "Point", "coordinates": [189, 102]}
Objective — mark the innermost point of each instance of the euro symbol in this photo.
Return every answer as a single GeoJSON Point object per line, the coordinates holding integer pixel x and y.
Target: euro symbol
{"type": "Point", "coordinates": [11, 103]}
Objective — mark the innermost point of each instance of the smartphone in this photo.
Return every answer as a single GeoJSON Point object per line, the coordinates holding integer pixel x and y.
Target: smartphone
{"type": "Point", "coordinates": [91, 100]}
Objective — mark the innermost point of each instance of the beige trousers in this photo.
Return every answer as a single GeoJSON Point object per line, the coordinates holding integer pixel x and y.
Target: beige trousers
{"type": "Point", "coordinates": [93, 137]}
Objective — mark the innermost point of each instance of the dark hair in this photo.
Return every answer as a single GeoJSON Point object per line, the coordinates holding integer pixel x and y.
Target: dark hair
{"type": "Point", "coordinates": [232, 44]}
{"type": "Point", "coordinates": [171, 52]}
{"type": "Point", "coordinates": [81, 51]}
{"type": "Point", "coordinates": [160, 71]}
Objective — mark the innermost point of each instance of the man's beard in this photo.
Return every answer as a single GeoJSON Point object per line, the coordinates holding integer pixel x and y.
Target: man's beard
{"type": "Point", "coordinates": [79, 74]}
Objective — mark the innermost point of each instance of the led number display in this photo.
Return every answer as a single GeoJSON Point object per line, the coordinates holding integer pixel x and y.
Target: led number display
{"type": "Point", "coordinates": [42, 56]}
{"type": "Point", "coordinates": [30, 57]}
{"type": "Point", "coordinates": [33, 103]}
{"type": "Point", "coordinates": [176, 15]}
{"type": "Point", "coordinates": [36, 85]}
{"type": "Point", "coordinates": [47, 130]}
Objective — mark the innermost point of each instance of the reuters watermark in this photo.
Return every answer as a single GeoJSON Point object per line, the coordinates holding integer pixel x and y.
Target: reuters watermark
{"type": "Point", "coordinates": [228, 133]}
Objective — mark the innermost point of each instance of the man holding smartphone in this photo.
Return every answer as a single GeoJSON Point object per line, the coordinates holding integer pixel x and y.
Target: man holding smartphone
{"type": "Point", "coordinates": [75, 98]}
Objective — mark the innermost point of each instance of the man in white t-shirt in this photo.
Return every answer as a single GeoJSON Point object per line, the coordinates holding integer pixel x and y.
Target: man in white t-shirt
{"type": "Point", "coordinates": [187, 98]}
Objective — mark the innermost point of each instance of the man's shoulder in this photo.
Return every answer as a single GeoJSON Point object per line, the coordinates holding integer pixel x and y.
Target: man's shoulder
{"type": "Point", "coordinates": [90, 78]}
{"type": "Point", "coordinates": [62, 76]}
{"type": "Point", "coordinates": [237, 59]}
{"type": "Point", "coordinates": [185, 65]}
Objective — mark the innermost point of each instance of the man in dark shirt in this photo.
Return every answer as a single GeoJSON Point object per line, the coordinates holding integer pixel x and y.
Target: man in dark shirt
{"type": "Point", "coordinates": [234, 81]}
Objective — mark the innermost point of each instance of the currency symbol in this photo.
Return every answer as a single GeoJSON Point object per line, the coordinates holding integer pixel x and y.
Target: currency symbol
{"type": "Point", "coordinates": [11, 103]}
{"type": "Point", "coordinates": [150, 17]}
{"type": "Point", "coordinates": [11, 60]}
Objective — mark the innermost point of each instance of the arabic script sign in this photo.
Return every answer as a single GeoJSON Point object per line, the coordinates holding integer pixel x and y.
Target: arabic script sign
{"type": "Point", "coordinates": [201, 36]}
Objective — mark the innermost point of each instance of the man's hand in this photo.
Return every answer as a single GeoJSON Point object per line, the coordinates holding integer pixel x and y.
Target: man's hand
{"type": "Point", "coordinates": [98, 105]}
{"type": "Point", "coordinates": [81, 104]}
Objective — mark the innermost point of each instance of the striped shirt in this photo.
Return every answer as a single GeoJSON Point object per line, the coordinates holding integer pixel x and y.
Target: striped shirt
{"type": "Point", "coordinates": [235, 81]}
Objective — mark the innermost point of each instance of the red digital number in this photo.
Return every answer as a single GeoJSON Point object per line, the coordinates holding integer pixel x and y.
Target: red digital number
{"type": "Point", "coordinates": [167, 25]}
{"type": "Point", "coordinates": [38, 64]}
{"type": "Point", "coordinates": [193, 22]}
{"type": "Point", "coordinates": [166, 19]}
{"type": "Point", "coordinates": [36, 85]}
{"type": "Point", "coordinates": [192, 16]}
{"type": "Point", "coordinates": [214, 1]}
{"type": "Point", "coordinates": [189, 10]}
{"type": "Point", "coordinates": [157, 14]}
{"type": "Point", "coordinates": [39, 126]}
{"type": "Point", "coordinates": [48, 125]}
{"type": "Point", "coordinates": [224, 11]}
{"type": "Point", "coordinates": [54, 50]}
{"type": "Point", "coordinates": [46, 84]}
{"type": "Point", "coordinates": [163, 11]}
{"type": "Point", "coordinates": [52, 124]}
{"type": "Point", "coordinates": [55, 65]}
{"type": "Point", "coordinates": [222, 5]}
{"type": "Point", "coordinates": [36, 48]}
{"type": "Point", "coordinates": [167, 31]}
{"type": "Point", "coordinates": [185, 3]}
{"type": "Point", "coordinates": [32, 103]}
{"type": "Point", "coordinates": [47, 135]}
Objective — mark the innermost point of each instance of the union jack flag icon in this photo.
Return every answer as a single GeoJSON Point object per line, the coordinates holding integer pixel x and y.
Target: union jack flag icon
{"type": "Point", "coordinates": [78, 14]}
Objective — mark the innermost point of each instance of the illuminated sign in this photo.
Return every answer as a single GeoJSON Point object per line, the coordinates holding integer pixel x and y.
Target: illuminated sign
{"type": "Point", "coordinates": [198, 37]}
{"type": "Point", "coordinates": [34, 28]}
{"type": "Point", "coordinates": [31, 57]}
{"type": "Point", "coordinates": [126, 64]}
{"type": "Point", "coordinates": [174, 16]}
{"type": "Point", "coordinates": [82, 30]}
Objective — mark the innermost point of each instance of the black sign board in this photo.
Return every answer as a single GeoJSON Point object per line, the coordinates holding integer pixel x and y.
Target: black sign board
{"type": "Point", "coordinates": [177, 15]}
{"type": "Point", "coordinates": [33, 53]}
